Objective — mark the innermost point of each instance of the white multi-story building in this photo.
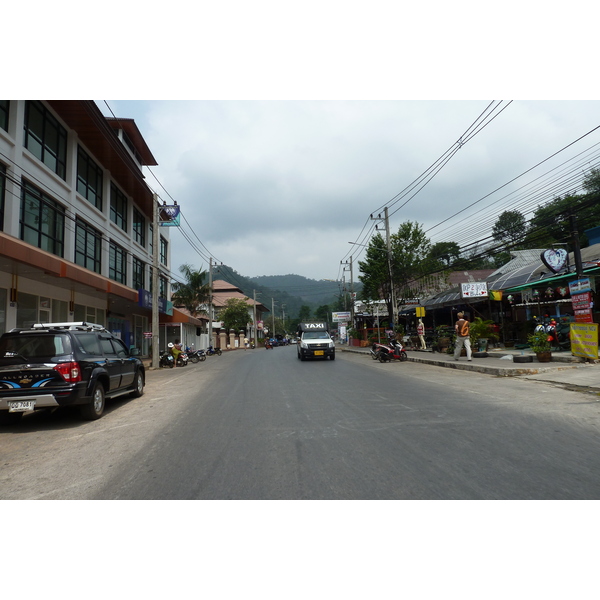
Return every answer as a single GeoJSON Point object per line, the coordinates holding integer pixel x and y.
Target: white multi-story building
{"type": "Point", "coordinates": [76, 220]}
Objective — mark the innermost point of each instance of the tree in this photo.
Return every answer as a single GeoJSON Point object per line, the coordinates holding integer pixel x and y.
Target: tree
{"type": "Point", "coordinates": [235, 315]}
{"type": "Point", "coordinates": [444, 254]}
{"type": "Point", "coordinates": [510, 227]}
{"type": "Point", "coordinates": [194, 293]}
{"type": "Point", "coordinates": [375, 272]}
{"type": "Point", "coordinates": [304, 314]}
{"type": "Point", "coordinates": [322, 313]}
{"type": "Point", "coordinates": [406, 266]}
{"type": "Point", "coordinates": [410, 248]}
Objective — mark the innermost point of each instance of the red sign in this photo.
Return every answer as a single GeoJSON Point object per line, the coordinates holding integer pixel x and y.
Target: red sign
{"type": "Point", "coordinates": [582, 307]}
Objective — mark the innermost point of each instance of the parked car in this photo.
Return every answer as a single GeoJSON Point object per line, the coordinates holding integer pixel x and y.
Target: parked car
{"type": "Point", "coordinates": [65, 364]}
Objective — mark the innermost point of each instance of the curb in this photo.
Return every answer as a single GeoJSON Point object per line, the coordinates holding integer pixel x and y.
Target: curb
{"type": "Point", "coordinates": [496, 370]}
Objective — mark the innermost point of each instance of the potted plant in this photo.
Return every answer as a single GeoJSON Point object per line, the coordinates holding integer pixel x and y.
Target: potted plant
{"type": "Point", "coordinates": [539, 343]}
{"type": "Point", "coordinates": [480, 330]}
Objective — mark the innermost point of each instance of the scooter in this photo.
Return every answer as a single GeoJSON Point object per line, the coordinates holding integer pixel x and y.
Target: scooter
{"type": "Point", "coordinates": [166, 360]}
{"type": "Point", "coordinates": [393, 350]}
{"type": "Point", "coordinates": [211, 351]}
{"type": "Point", "coordinates": [196, 355]}
{"type": "Point", "coordinates": [182, 359]}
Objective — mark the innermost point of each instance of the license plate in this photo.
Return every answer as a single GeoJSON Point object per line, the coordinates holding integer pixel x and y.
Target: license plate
{"type": "Point", "coordinates": [319, 352]}
{"type": "Point", "coordinates": [21, 405]}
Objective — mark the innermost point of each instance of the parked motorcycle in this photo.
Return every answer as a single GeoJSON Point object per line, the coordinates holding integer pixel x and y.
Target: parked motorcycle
{"type": "Point", "coordinates": [196, 355]}
{"type": "Point", "coordinates": [393, 350]}
{"type": "Point", "coordinates": [166, 360]}
{"type": "Point", "coordinates": [182, 359]}
{"type": "Point", "coordinates": [211, 351]}
{"type": "Point", "coordinates": [558, 333]}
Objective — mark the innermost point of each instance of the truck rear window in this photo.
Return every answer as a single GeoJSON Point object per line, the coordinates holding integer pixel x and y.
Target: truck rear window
{"type": "Point", "coordinates": [35, 345]}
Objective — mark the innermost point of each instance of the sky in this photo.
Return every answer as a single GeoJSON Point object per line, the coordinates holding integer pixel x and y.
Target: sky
{"type": "Point", "coordinates": [279, 129]}
{"type": "Point", "coordinates": [272, 187]}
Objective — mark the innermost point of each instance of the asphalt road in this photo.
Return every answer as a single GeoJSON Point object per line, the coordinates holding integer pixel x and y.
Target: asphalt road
{"type": "Point", "coordinates": [260, 424]}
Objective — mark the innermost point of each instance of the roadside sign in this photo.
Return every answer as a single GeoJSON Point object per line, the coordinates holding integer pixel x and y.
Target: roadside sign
{"type": "Point", "coordinates": [584, 340]}
{"type": "Point", "coordinates": [474, 290]}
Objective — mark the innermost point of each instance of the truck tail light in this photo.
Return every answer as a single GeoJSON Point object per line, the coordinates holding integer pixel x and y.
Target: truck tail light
{"type": "Point", "coordinates": [69, 371]}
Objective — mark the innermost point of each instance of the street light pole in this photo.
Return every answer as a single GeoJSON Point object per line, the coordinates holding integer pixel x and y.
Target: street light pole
{"type": "Point", "coordinates": [155, 250]}
{"type": "Point", "coordinates": [210, 296]}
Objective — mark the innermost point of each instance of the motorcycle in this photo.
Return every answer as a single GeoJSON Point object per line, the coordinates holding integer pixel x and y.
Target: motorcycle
{"type": "Point", "coordinates": [182, 359]}
{"type": "Point", "coordinates": [268, 345]}
{"type": "Point", "coordinates": [558, 333]}
{"type": "Point", "coordinates": [196, 356]}
{"type": "Point", "coordinates": [393, 350]}
{"type": "Point", "coordinates": [166, 360]}
{"type": "Point", "coordinates": [211, 351]}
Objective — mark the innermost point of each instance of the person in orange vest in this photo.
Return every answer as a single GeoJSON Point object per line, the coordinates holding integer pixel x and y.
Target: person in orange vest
{"type": "Point", "coordinates": [462, 336]}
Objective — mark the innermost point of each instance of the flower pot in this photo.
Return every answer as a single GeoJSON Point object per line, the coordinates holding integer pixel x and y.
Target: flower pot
{"type": "Point", "coordinates": [544, 356]}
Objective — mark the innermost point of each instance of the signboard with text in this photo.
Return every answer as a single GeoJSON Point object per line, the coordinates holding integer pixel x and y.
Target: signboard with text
{"type": "Point", "coordinates": [340, 316]}
{"type": "Point", "coordinates": [584, 340]}
{"type": "Point", "coordinates": [474, 290]}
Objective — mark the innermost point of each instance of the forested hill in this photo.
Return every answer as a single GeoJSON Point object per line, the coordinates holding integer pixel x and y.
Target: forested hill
{"type": "Point", "coordinates": [291, 290]}
{"type": "Point", "coordinates": [310, 290]}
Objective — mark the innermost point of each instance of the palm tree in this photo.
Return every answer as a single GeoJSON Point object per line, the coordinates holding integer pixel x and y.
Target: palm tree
{"type": "Point", "coordinates": [193, 294]}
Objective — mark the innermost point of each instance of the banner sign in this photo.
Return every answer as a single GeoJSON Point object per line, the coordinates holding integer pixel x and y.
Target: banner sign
{"type": "Point", "coordinates": [584, 340]}
{"type": "Point", "coordinates": [474, 290]}
{"type": "Point", "coordinates": [581, 285]}
{"type": "Point", "coordinates": [169, 216]}
{"type": "Point", "coordinates": [340, 316]}
{"type": "Point", "coordinates": [145, 301]}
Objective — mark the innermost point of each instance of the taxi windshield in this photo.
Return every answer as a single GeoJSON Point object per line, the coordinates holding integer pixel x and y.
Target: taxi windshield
{"type": "Point", "coordinates": [316, 335]}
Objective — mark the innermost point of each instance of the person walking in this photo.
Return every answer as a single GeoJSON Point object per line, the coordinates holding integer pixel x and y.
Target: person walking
{"type": "Point", "coordinates": [462, 336]}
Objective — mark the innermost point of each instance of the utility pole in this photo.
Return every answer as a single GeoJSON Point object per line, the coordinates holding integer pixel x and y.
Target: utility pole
{"type": "Point", "coordinates": [576, 247]}
{"type": "Point", "coordinates": [254, 330]}
{"type": "Point", "coordinates": [283, 316]}
{"type": "Point", "coordinates": [389, 253]}
{"type": "Point", "coordinates": [155, 250]}
{"type": "Point", "coordinates": [210, 296]}
{"type": "Point", "coordinates": [351, 291]}
{"type": "Point", "coordinates": [273, 314]}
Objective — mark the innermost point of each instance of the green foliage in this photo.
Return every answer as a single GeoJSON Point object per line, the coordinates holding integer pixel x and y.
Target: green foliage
{"type": "Point", "coordinates": [304, 314]}
{"type": "Point", "coordinates": [443, 254]}
{"type": "Point", "coordinates": [192, 294]}
{"type": "Point", "coordinates": [323, 313]}
{"type": "Point", "coordinates": [480, 328]}
{"type": "Point", "coordinates": [538, 341]}
{"type": "Point", "coordinates": [235, 315]}
{"type": "Point", "coordinates": [510, 227]}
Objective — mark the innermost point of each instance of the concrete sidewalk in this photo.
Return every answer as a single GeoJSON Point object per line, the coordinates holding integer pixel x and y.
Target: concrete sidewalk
{"type": "Point", "coordinates": [564, 369]}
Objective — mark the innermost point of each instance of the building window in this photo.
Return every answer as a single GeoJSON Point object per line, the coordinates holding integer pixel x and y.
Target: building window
{"type": "Point", "coordinates": [151, 240]}
{"type": "Point", "coordinates": [89, 314]}
{"type": "Point", "coordinates": [117, 263]}
{"type": "Point", "coordinates": [89, 178]}
{"type": "Point", "coordinates": [139, 227]}
{"type": "Point", "coordinates": [45, 137]}
{"type": "Point", "coordinates": [42, 221]}
{"type": "Point", "coordinates": [118, 207]}
{"type": "Point", "coordinates": [138, 274]}
{"type": "Point", "coordinates": [162, 287]}
{"type": "Point", "coordinates": [164, 245]}
{"type": "Point", "coordinates": [2, 192]}
{"type": "Point", "coordinates": [88, 246]}
{"type": "Point", "coordinates": [4, 105]}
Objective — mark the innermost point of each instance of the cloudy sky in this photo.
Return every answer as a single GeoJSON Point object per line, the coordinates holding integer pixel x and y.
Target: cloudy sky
{"type": "Point", "coordinates": [279, 128]}
{"type": "Point", "coordinates": [277, 187]}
